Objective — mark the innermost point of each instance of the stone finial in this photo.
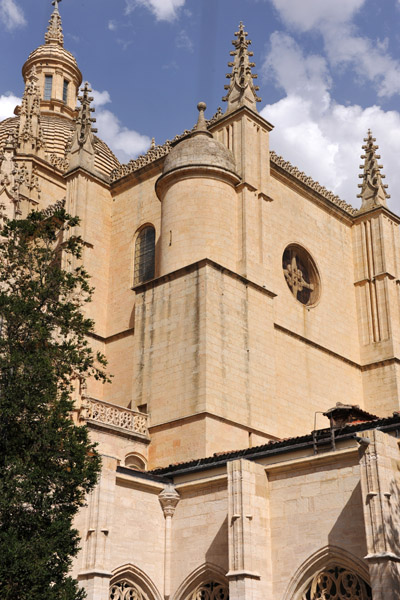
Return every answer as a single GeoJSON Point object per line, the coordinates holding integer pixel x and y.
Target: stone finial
{"type": "Point", "coordinates": [30, 135]}
{"type": "Point", "coordinates": [169, 499]}
{"type": "Point", "coordinates": [201, 127]}
{"type": "Point", "coordinates": [241, 91]}
{"type": "Point", "coordinates": [153, 143]}
{"type": "Point", "coordinates": [54, 33]}
{"type": "Point", "coordinates": [373, 191]}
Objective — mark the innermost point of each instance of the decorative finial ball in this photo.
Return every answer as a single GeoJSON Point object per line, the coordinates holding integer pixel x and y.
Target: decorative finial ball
{"type": "Point", "coordinates": [201, 106]}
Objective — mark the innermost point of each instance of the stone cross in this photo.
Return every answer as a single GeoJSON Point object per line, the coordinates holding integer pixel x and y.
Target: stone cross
{"type": "Point", "coordinates": [295, 279]}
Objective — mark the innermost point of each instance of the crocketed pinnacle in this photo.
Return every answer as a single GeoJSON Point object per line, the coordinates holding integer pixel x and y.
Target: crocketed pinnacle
{"type": "Point", "coordinates": [84, 120]}
{"type": "Point", "coordinates": [54, 33]}
{"type": "Point", "coordinates": [241, 90]}
{"type": "Point", "coordinates": [30, 135]}
{"type": "Point", "coordinates": [373, 191]}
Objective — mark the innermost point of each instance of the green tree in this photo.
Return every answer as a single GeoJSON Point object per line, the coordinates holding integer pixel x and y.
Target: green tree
{"type": "Point", "coordinates": [47, 463]}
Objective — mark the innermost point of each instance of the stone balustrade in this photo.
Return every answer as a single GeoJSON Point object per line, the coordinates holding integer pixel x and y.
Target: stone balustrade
{"type": "Point", "coordinates": [116, 417]}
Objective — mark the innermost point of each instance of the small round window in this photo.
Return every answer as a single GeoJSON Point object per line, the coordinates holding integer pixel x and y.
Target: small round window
{"type": "Point", "coordinates": [301, 275]}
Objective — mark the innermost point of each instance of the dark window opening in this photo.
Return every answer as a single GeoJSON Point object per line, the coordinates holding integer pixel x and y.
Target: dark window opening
{"type": "Point", "coordinates": [48, 86]}
{"type": "Point", "coordinates": [65, 91]}
{"type": "Point", "coordinates": [144, 255]}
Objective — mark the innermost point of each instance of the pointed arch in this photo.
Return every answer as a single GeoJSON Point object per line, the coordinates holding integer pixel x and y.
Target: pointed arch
{"type": "Point", "coordinates": [131, 575]}
{"type": "Point", "coordinates": [204, 575]}
{"type": "Point", "coordinates": [325, 557]}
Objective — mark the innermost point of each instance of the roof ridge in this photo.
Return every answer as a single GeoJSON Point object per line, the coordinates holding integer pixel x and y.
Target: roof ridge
{"type": "Point", "coordinates": [310, 182]}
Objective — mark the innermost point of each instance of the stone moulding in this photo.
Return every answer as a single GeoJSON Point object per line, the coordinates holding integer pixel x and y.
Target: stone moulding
{"type": "Point", "coordinates": [117, 418]}
{"type": "Point", "coordinates": [309, 181]}
{"type": "Point", "coordinates": [156, 152]}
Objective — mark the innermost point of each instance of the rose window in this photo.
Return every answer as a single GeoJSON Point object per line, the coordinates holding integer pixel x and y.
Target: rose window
{"type": "Point", "coordinates": [301, 274]}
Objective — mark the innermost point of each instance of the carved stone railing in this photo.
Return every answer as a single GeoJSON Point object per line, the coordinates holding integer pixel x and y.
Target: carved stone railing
{"type": "Point", "coordinates": [115, 417]}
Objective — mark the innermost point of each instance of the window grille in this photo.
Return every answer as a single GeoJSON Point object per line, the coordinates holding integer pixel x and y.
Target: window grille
{"type": "Point", "coordinates": [48, 86]}
{"type": "Point", "coordinates": [144, 255]}
{"type": "Point", "coordinates": [125, 590]}
{"type": "Point", "coordinates": [65, 91]}
{"type": "Point", "coordinates": [211, 590]}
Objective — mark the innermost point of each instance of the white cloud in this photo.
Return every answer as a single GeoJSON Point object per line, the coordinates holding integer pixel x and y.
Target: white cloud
{"type": "Point", "coordinates": [294, 72]}
{"type": "Point", "coordinates": [309, 14]}
{"type": "Point", "coordinates": [321, 137]}
{"type": "Point", "coordinates": [11, 15]}
{"type": "Point", "coordinates": [182, 40]}
{"type": "Point", "coordinates": [112, 25]}
{"type": "Point", "coordinates": [163, 10]}
{"type": "Point", "coordinates": [7, 104]}
{"type": "Point", "coordinates": [369, 59]}
{"type": "Point", "coordinates": [101, 98]}
{"type": "Point", "coordinates": [125, 143]}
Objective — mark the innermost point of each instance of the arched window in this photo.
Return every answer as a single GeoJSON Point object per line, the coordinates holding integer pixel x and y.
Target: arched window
{"type": "Point", "coordinates": [144, 255]}
{"type": "Point", "coordinates": [126, 590]}
{"type": "Point", "coordinates": [339, 584]}
{"type": "Point", "coordinates": [211, 590]}
{"type": "Point", "coordinates": [134, 461]}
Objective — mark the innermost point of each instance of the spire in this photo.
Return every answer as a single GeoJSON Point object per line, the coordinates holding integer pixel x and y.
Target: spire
{"type": "Point", "coordinates": [373, 191]}
{"type": "Point", "coordinates": [30, 135]}
{"type": "Point", "coordinates": [82, 149]}
{"type": "Point", "coordinates": [241, 90]}
{"type": "Point", "coordinates": [54, 34]}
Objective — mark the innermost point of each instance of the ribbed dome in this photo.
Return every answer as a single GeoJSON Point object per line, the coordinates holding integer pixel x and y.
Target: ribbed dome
{"type": "Point", "coordinates": [54, 52]}
{"type": "Point", "coordinates": [57, 132]}
{"type": "Point", "coordinates": [200, 149]}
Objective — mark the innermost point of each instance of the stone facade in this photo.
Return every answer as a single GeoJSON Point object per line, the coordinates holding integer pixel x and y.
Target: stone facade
{"type": "Point", "coordinates": [269, 301]}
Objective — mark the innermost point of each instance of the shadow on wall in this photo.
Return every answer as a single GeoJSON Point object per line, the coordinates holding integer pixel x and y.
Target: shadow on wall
{"type": "Point", "coordinates": [349, 529]}
{"type": "Point", "coordinates": [218, 550]}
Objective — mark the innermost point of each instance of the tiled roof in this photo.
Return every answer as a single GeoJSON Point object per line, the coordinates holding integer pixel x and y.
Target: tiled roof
{"type": "Point", "coordinates": [285, 445]}
{"type": "Point", "coordinates": [57, 133]}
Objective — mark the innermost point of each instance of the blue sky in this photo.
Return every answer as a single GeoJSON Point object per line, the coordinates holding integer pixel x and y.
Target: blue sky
{"type": "Point", "coordinates": [327, 70]}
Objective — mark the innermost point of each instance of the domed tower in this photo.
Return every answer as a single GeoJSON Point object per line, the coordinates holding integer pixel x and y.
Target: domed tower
{"type": "Point", "coordinates": [40, 137]}
{"type": "Point", "coordinates": [58, 75]}
{"type": "Point", "coordinates": [198, 202]}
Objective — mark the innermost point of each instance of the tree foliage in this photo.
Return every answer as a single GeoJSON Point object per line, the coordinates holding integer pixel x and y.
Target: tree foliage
{"type": "Point", "coordinates": [47, 463]}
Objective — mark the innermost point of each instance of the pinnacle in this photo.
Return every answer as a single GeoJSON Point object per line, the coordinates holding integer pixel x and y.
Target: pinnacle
{"type": "Point", "coordinates": [54, 34]}
{"type": "Point", "coordinates": [241, 91]}
{"type": "Point", "coordinates": [201, 127]}
{"type": "Point", "coordinates": [373, 191]}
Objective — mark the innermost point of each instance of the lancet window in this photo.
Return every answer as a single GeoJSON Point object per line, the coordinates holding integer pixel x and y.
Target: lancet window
{"type": "Point", "coordinates": [144, 255]}
{"type": "Point", "coordinates": [337, 583]}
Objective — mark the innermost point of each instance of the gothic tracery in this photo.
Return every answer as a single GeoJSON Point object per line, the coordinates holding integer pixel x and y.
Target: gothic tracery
{"type": "Point", "coordinates": [337, 583]}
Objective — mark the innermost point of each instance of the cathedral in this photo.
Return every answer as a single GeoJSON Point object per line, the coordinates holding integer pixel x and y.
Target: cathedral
{"type": "Point", "coordinates": [251, 322]}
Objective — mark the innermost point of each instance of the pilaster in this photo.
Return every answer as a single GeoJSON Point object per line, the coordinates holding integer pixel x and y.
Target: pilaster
{"type": "Point", "coordinates": [249, 568]}
{"type": "Point", "coordinates": [169, 499]}
{"type": "Point", "coordinates": [379, 461]}
{"type": "Point", "coordinates": [94, 573]}
{"type": "Point", "coordinates": [376, 244]}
